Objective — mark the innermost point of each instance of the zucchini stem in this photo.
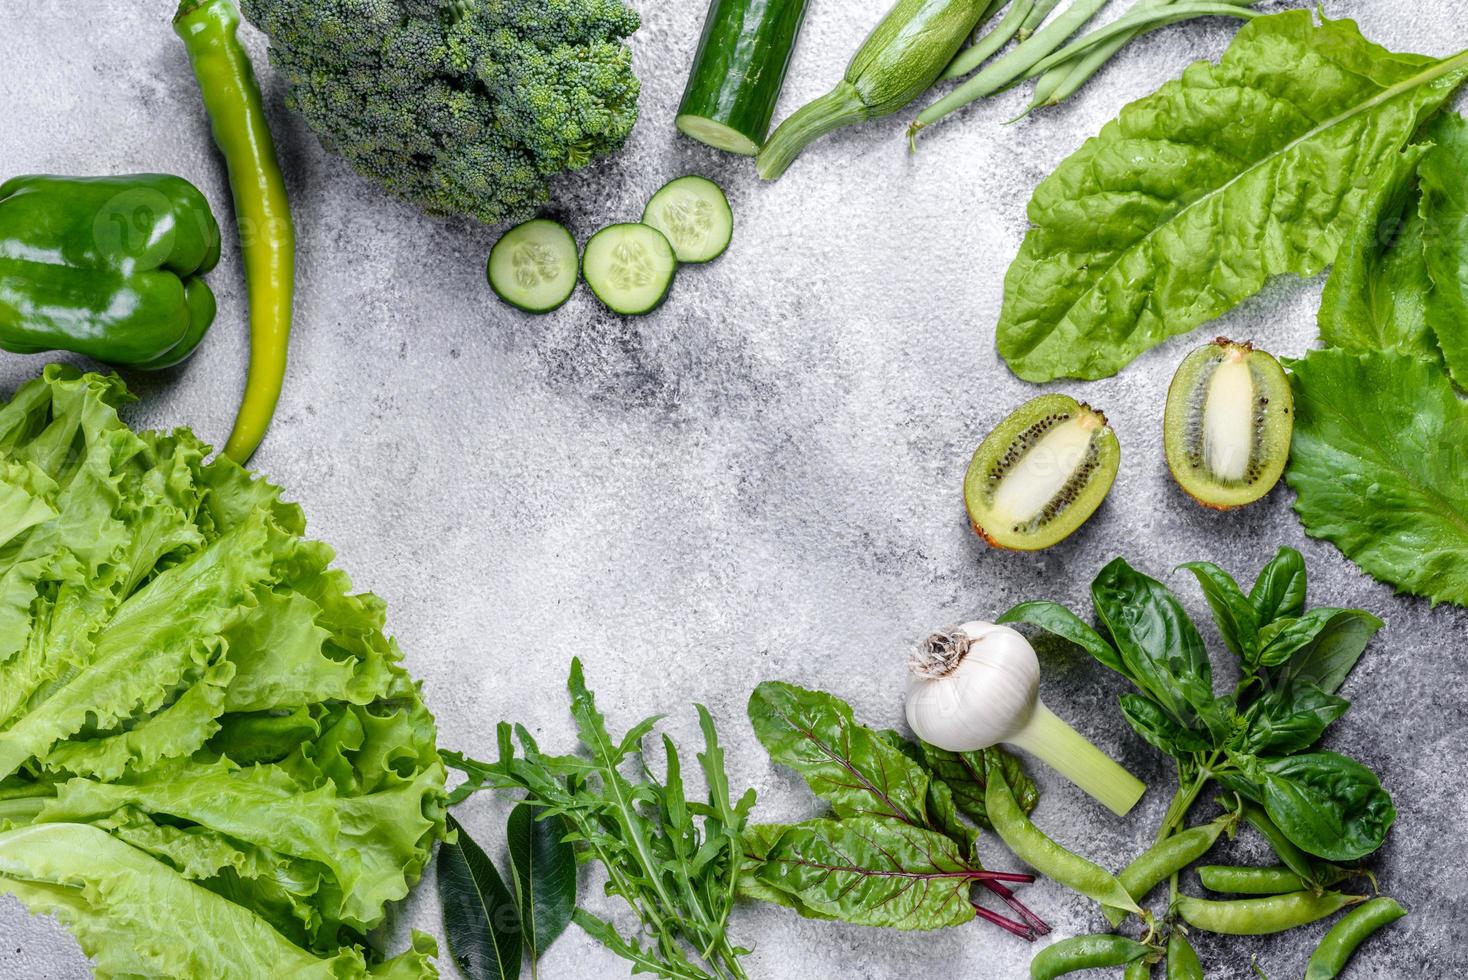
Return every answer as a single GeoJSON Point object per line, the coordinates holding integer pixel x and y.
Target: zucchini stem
{"type": "Point", "coordinates": [842, 106]}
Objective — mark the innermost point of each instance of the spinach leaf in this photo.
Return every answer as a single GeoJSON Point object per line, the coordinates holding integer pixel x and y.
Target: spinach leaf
{"type": "Point", "coordinates": [1175, 212]}
{"type": "Point", "coordinates": [1279, 591]}
{"type": "Point", "coordinates": [1376, 296]}
{"type": "Point", "coordinates": [544, 865]}
{"type": "Point", "coordinates": [1238, 622]}
{"type": "Point", "coordinates": [1159, 645]}
{"type": "Point", "coordinates": [849, 766]}
{"type": "Point", "coordinates": [966, 773]}
{"type": "Point", "coordinates": [1055, 618]}
{"type": "Point", "coordinates": [480, 920]}
{"type": "Point", "coordinates": [872, 871]}
{"type": "Point", "coordinates": [1290, 719]}
{"type": "Point", "coordinates": [1377, 467]}
{"type": "Point", "coordinates": [1445, 216]}
{"type": "Point", "coordinates": [1159, 729]}
{"type": "Point", "coordinates": [1329, 805]}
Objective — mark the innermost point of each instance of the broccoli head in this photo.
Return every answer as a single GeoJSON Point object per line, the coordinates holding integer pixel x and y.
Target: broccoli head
{"type": "Point", "coordinates": [458, 106]}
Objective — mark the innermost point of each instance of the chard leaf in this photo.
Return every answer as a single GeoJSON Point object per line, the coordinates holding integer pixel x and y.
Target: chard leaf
{"type": "Point", "coordinates": [1329, 805]}
{"type": "Point", "coordinates": [480, 919]}
{"type": "Point", "coordinates": [1377, 464]}
{"type": "Point", "coordinates": [759, 841]}
{"type": "Point", "coordinates": [872, 871]}
{"type": "Point", "coordinates": [1444, 176]}
{"type": "Point", "coordinates": [544, 865]}
{"type": "Point", "coordinates": [1280, 588]}
{"type": "Point", "coordinates": [966, 774]}
{"type": "Point", "coordinates": [850, 766]}
{"type": "Point", "coordinates": [1178, 210]}
{"type": "Point", "coordinates": [942, 804]}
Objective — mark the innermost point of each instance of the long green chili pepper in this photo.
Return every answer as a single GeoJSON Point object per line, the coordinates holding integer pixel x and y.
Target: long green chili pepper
{"type": "Point", "coordinates": [209, 31]}
{"type": "Point", "coordinates": [902, 56]}
{"type": "Point", "coordinates": [1261, 916]}
{"type": "Point", "coordinates": [1335, 950]}
{"type": "Point", "coordinates": [1182, 959]}
{"type": "Point", "coordinates": [1167, 857]}
{"type": "Point", "coordinates": [1085, 953]}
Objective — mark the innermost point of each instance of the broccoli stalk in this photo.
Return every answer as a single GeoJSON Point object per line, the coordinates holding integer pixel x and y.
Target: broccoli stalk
{"type": "Point", "coordinates": [458, 106]}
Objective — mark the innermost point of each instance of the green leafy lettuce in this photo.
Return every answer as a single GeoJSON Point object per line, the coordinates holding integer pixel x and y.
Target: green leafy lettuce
{"type": "Point", "coordinates": [1196, 195]}
{"type": "Point", "coordinates": [211, 762]}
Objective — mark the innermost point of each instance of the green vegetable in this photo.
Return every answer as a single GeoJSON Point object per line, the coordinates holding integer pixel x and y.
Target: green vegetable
{"type": "Point", "coordinates": [193, 703]}
{"type": "Point", "coordinates": [1354, 928]}
{"type": "Point", "coordinates": [1085, 953]}
{"type": "Point", "coordinates": [1370, 472]}
{"type": "Point", "coordinates": [1250, 881]}
{"type": "Point", "coordinates": [1182, 959]}
{"type": "Point", "coordinates": [966, 774]}
{"type": "Point", "coordinates": [457, 107]}
{"type": "Point", "coordinates": [267, 235]}
{"type": "Point", "coordinates": [1166, 858]}
{"type": "Point", "coordinates": [1445, 214]}
{"type": "Point", "coordinates": [738, 72]}
{"type": "Point", "coordinates": [674, 861]}
{"type": "Point", "coordinates": [480, 918]}
{"type": "Point", "coordinates": [870, 775]}
{"type": "Point", "coordinates": [1261, 916]}
{"type": "Point", "coordinates": [544, 864]}
{"type": "Point", "coordinates": [629, 267]}
{"type": "Point", "coordinates": [693, 215]}
{"type": "Point", "coordinates": [903, 55]}
{"type": "Point", "coordinates": [534, 266]}
{"type": "Point", "coordinates": [1153, 227]}
{"type": "Point", "coordinates": [108, 267]}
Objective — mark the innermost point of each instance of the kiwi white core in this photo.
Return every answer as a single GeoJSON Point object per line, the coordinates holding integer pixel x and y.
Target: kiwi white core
{"type": "Point", "coordinates": [1228, 417]}
{"type": "Point", "coordinates": [1045, 470]}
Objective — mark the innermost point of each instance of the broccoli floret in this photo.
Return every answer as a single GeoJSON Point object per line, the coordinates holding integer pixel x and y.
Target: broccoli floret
{"type": "Point", "coordinates": [458, 106]}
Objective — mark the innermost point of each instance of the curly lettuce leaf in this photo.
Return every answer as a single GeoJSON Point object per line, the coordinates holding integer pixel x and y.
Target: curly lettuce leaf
{"type": "Point", "coordinates": [1445, 219]}
{"type": "Point", "coordinates": [1377, 465]}
{"type": "Point", "coordinates": [1197, 194]}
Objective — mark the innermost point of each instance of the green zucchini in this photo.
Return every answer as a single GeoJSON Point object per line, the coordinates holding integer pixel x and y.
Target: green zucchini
{"type": "Point", "coordinates": [738, 72]}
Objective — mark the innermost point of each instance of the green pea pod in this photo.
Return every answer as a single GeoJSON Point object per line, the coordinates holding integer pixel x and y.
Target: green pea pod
{"type": "Point", "coordinates": [1085, 953]}
{"type": "Point", "coordinates": [108, 267]}
{"type": "Point", "coordinates": [1261, 916]}
{"type": "Point", "coordinates": [1182, 959]}
{"type": "Point", "coordinates": [1167, 857]}
{"type": "Point", "coordinates": [1294, 858]}
{"type": "Point", "coordinates": [1138, 970]}
{"type": "Point", "coordinates": [1231, 880]}
{"type": "Point", "coordinates": [899, 60]}
{"type": "Point", "coordinates": [1335, 950]}
{"type": "Point", "coordinates": [1030, 845]}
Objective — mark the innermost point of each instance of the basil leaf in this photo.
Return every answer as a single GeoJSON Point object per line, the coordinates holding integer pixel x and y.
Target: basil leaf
{"type": "Point", "coordinates": [1284, 638]}
{"type": "Point", "coordinates": [1445, 247]}
{"type": "Point", "coordinates": [1055, 618]}
{"type": "Point", "coordinates": [1158, 728]}
{"type": "Point", "coordinates": [1331, 651]}
{"type": "Point", "coordinates": [1158, 643]}
{"type": "Point", "coordinates": [480, 920]}
{"type": "Point", "coordinates": [1174, 212]}
{"type": "Point", "coordinates": [1291, 719]}
{"type": "Point", "coordinates": [872, 871]}
{"type": "Point", "coordinates": [967, 774]}
{"type": "Point", "coordinates": [1371, 466]}
{"type": "Point", "coordinates": [1376, 296]}
{"type": "Point", "coordinates": [1329, 805]}
{"type": "Point", "coordinates": [1237, 621]}
{"type": "Point", "coordinates": [1279, 591]}
{"type": "Point", "coordinates": [849, 766]}
{"type": "Point", "coordinates": [544, 865]}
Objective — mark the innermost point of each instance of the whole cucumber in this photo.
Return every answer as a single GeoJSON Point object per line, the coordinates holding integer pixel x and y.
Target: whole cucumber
{"type": "Point", "coordinates": [899, 60]}
{"type": "Point", "coordinates": [738, 72]}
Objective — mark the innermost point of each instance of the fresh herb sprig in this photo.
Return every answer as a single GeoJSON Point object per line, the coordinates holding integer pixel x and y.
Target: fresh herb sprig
{"type": "Point", "coordinates": [674, 861]}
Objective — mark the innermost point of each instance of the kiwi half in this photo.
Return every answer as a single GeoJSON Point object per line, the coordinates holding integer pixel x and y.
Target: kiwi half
{"type": "Point", "coordinates": [1228, 423]}
{"type": "Point", "coordinates": [1041, 473]}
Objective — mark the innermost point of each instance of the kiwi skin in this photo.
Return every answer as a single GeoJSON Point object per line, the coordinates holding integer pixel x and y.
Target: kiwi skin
{"type": "Point", "coordinates": [998, 450]}
{"type": "Point", "coordinates": [1274, 421]}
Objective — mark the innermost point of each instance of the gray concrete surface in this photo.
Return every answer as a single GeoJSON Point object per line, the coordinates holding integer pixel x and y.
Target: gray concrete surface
{"type": "Point", "coordinates": [760, 481]}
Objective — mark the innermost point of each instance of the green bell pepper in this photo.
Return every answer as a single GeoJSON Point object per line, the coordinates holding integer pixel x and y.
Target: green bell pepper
{"type": "Point", "coordinates": [106, 266]}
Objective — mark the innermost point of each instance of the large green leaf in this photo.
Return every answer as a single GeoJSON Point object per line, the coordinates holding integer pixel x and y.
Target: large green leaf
{"type": "Point", "coordinates": [1279, 589]}
{"type": "Point", "coordinates": [544, 863]}
{"type": "Point", "coordinates": [966, 776]}
{"type": "Point", "coordinates": [1378, 464]}
{"type": "Point", "coordinates": [480, 917]}
{"type": "Point", "coordinates": [1195, 195]}
{"type": "Point", "coordinates": [1330, 805]}
{"type": "Point", "coordinates": [1445, 239]}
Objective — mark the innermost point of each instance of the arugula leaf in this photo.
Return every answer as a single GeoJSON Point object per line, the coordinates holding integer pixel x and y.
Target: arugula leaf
{"type": "Point", "coordinates": [480, 917]}
{"type": "Point", "coordinates": [1175, 212]}
{"type": "Point", "coordinates": [544, 866]}
{"type": "Point", "coordinates": [1238, 622]}
{"type": "Point", "coordinates": [966, 773]}
{"type": "Point", "coordinates": [1377, 465]}
{"type": "Point", "coordinates": [1376, 296]}
{"type": "Point", "coordinates": [1445, 216]}
{"type": "Point", "coordinates": [1279, 590]}
{"type": "Point", "coordinates": [873, 871]}
{"type": "Point", "coordinates": [1329, 805]}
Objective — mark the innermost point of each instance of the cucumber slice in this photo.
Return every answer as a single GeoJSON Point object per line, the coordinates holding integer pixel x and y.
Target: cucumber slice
{"type": "Point", "coordinates": [533, 266]}
{"type": "Point", "coordinates": [629, 267]}
{"type": "Point", "coordinates": [693, 214]}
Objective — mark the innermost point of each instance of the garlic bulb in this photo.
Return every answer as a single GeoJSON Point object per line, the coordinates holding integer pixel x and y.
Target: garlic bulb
{"type": "Point", "coordinates": [979, 684]}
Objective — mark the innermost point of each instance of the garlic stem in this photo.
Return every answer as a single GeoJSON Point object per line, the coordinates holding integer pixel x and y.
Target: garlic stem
{"type": "Point", "coordinates": [1070, 754]}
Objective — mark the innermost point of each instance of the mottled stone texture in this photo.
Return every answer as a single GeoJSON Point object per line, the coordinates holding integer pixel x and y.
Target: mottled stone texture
{"type": "Point", "coordinates": [759, 481]}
